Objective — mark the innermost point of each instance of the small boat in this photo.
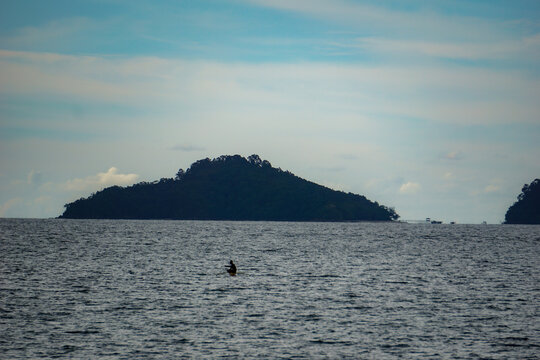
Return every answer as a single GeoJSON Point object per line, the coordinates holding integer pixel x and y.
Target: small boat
{"type": "Point", "coordinates": [231, 272]}
{"type": "Point", "coordinates": [231, 268]}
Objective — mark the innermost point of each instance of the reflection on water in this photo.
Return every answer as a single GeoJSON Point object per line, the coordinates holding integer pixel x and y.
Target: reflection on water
{"type": "Point", "coordinates": [159, 289]}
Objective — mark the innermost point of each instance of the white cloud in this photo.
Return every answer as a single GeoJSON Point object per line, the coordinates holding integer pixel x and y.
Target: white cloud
{"type": "Point", "coordinates": [187, 148]}
{"type": "Point", "coordinates": [457, 95]}
{"type": "Point", "coordinates": [9, 204]}
{"type": "Point", "coordinates": [52, 32]}
{"type": "Point", "coordinates": [424, 24]}
{"type": "Point", "coordinates": [526, 48]}
{"type": "Point", "coordinates": [409, 188]}
{"type": "Point", "coordinates": [419, 33]}
{"type": "Point", "coordinates": [101, 180]}
{"type": "Point", "coordinates": [302, 116]}
{"type": "Point", "coordinates": [34, 177]}
{"type": "Point", "coordinates": [454, 155]}
{"type": "Point", "coordinates": [492, 188]}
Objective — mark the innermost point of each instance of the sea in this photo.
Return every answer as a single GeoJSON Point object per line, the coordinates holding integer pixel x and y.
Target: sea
{"type": "Point", "coordinates": [126, 289]}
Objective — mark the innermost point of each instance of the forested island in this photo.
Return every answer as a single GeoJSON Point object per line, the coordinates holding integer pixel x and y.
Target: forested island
{"type": "Point", "coordinates": [229, 188]}
{"type": "Point", "coordinates": [527, 209]}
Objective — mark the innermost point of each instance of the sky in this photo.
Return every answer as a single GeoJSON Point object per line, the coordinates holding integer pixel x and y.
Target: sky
{"type": "Point", "coordinates": [430, 107]}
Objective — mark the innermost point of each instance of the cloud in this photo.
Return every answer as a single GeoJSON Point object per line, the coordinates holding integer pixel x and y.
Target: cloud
{"type": "Point", "coordinates": [34, 177]}
{"type": "Point", "coordinates": [409, 188]}
{"type": "Point", "coordinates": [9, 204]}
{"type": "Point", "coordinates": [456, 95]}
{"type": "Point", "coordinates": [100, 181]}
{"type": "Point", "coordinates": [187, 148]}
{"type": "Point", "coordinates": [492, 188]}
{"type": "Point", "coordinates": [420, 23]}
{"type": "Point", "coordinates": [453, 155]}
{"type": "Point", "coordinates": [61, 34]}
{"type": "Point", "coordinates": [526, 48]}
{"type": "Point", "coordinates": [420, 33]}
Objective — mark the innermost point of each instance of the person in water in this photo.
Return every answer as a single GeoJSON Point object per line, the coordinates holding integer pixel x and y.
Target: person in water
{"type": "Point", "coordinates": [232, 268]}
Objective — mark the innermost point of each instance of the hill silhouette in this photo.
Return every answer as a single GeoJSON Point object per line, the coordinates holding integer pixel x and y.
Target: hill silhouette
{"type": "Point", "coordinates": [229, 188]}
{"type": "Point", "coordinates": [527, 209]}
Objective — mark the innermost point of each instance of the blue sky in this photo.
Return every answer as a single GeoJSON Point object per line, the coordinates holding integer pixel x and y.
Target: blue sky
{"type": "Point", "coordinates": [430, 107]}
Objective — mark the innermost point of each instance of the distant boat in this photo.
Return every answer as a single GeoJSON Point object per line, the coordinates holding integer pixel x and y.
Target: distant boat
{"type": "Point", "coordinates": [231, 268]}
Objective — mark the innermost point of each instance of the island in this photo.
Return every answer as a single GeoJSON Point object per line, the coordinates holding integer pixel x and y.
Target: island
{"type": "Point", "coordinates": [229, 188]}
{"type": "Point", "coordinates": [527, 209]}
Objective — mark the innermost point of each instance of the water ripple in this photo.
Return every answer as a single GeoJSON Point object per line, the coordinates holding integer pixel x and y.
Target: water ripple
{"type": "Point", "coordinates": [158, 289]}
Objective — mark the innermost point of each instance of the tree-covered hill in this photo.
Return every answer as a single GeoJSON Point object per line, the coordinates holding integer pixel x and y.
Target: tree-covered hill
{"type": "Point", "coordinates": [527, 209]}
{"type": "Point", "coordinates": [229, 188]}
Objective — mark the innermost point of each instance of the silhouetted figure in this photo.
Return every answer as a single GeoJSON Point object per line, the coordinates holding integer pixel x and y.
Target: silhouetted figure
{"type": "Point", "coordinates": [231, 268]}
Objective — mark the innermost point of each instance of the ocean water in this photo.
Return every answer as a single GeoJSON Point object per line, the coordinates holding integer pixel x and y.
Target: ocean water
{"type": "Point", "coordinates": [89, 289]}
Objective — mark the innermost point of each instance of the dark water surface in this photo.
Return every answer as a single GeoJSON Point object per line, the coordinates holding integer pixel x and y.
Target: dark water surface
{"type": "Point", "coordinates": [159, 289]}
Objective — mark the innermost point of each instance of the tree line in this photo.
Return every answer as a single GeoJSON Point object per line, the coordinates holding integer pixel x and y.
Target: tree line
{"type": "Point", "coordinates": [229, 188]}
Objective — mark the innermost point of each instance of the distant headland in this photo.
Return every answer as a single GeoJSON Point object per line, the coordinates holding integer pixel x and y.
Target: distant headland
{"type": "Point", "coordinates": [527, 209]}
{"type": "Point", "coordinates": [229, 188]}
